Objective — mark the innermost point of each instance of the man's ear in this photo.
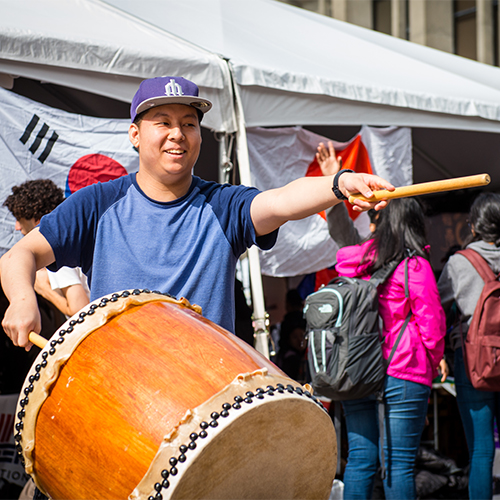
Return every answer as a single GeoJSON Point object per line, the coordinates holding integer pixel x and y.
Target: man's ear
{"type": "Point", "coordinates": [133, 135]}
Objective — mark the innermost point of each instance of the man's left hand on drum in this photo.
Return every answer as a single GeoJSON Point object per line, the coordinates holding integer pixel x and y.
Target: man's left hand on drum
{"type": "Point", "coordinates": [23, 316]}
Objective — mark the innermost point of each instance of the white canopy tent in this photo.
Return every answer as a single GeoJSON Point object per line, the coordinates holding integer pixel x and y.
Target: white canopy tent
{"type": "Point", "coordinates": [286, 66]}
{"type": "Point", "coordinates": [292, 66]}
{"type": "Point", "coordinates": [91, 46]}
{"type": "Point", "coordinates": [295, 67]}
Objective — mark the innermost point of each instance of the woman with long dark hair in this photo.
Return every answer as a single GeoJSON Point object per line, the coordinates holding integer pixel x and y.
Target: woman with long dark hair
{"type": "Point", "coordinates": [460, 285]}
{"type": "Point", "coordinates": [409, 294]}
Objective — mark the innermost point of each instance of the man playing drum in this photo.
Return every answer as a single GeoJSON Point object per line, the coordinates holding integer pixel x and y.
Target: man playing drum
{"type": "Point", "coordinates": [164, 228]}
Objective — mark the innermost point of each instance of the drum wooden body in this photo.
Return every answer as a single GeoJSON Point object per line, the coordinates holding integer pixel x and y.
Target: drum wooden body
{"type": "Point", "coordinates": [138, 396]}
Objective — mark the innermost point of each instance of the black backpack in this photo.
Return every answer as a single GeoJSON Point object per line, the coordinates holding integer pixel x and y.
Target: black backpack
{"type": "Point", "coordinates": [344, 345]}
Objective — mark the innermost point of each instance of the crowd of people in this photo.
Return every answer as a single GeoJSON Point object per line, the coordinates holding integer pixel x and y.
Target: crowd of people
{"type": "Point", "coordinates": [95, 239]}
{"type": "Point", "coordinates": [398, 233]}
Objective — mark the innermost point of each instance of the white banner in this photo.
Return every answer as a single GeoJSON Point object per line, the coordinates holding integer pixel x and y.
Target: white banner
{"type": "Point", "coordinates": [279, 156]}
{"type": "Point", "coordinates": [39, 142]}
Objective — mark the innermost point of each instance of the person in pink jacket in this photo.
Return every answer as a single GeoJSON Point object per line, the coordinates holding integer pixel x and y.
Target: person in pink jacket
{"type": "Point", "coordinates": [399, 234]}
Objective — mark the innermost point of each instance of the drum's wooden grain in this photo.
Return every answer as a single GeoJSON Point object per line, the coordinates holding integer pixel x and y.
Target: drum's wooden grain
{"type": "Point", "coordinates": [130, 382]}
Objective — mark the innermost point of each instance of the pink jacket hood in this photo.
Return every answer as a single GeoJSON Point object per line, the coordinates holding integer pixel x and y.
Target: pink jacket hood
{"type": "Point", "coordinates": [422, 345]}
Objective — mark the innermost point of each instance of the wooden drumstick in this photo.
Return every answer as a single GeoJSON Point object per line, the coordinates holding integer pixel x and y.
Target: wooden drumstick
{"type": "Point", "coordinates": [37, 340]}
{"type": "Point", "coordinates": [426, 188]}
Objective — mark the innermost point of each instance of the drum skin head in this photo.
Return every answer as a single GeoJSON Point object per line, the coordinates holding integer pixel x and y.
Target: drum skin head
{"type": "Point", "coordinates": [269, 452]}
{"type": "Point", "coordinates": [256, 439]}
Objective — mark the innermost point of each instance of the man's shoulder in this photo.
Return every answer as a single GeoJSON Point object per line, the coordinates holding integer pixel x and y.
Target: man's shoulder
{"type": "Point", "coordinates": [210, 189]}
{"type": "Point", "coordinates": [120, 184]}
{"type": "Point", "coordinates": [102, 192]}
{"type": "Point", "coordinates": [82, 204]}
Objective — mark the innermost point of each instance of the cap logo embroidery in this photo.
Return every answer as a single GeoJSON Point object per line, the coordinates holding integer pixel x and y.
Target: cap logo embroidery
{"type": "Point", "coordinates": [172, 88]}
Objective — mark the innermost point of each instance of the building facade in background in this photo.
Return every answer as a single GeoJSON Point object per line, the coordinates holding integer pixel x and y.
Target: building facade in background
{"type": "Point", "coordinates": [467, 28]}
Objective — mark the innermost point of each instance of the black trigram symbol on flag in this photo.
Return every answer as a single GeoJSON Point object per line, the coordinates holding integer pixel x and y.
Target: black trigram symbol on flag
{"type": "Point", "coordinates": [39, 137]}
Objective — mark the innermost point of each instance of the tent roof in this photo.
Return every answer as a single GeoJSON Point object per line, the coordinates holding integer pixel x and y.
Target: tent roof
{"type": "Point", "coordinates": [295, 67]}
{"type": "Point", "coordinates": [92, 46]}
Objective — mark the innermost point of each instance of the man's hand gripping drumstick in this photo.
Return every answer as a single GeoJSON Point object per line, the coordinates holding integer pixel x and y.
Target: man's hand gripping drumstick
{"type": "Point", "coordinates": [330, 165]}
{"type": "Point", "coordinates": [37, 340]}
{"type": "Point", "coordinates": [18, 272]}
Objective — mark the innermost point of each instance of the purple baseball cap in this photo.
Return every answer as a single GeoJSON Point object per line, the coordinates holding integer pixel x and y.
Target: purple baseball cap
{"type": "Point", "coordinates": [167, 90]}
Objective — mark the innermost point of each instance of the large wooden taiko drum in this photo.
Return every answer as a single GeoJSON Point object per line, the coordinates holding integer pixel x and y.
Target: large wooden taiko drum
{"type": "Point", "coordinates": [138, 396]}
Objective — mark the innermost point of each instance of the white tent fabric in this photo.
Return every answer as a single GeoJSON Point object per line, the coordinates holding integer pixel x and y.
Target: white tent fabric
{"type": "Point", "coordinates": [91, 46]}
{"type": "Point", "coordinates": [292, 66]}
{"type": "Point", "coordinates": [280, 155]}
{"type": "Point", "coordinates": [295, 67]}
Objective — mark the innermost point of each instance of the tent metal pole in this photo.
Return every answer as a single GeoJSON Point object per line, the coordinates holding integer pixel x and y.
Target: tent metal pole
{"type": "Point", "coordinates": [225, 141]}
{"type": "Point", "coordinates": [222, 157]}
{"type": "Point", "coordinates": [260, 317]}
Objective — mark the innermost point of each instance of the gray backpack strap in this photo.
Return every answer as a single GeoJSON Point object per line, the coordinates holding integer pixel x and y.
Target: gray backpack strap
{"type": "Point", "coordinates": [407, 320]}
{"type": "Point", "coordinates": [382, 274]}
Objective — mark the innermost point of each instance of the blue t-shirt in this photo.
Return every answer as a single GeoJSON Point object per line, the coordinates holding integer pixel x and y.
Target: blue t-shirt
{"type": "Point", "coordinates": [189, 247]}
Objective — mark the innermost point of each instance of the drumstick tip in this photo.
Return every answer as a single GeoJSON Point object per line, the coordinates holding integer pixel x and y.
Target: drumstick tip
{"type": "Point", "coordinates": [37, 340]}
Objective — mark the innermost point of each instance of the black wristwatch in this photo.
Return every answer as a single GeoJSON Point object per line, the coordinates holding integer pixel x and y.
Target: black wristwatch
{"type": "Point", "coordinates": [335, 188]}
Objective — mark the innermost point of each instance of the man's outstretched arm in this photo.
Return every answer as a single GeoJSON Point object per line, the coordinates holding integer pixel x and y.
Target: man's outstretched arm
{"type": "Point", "coordinates": [309, 195]}
{"type": "Point", "coordinates": [18, 270]}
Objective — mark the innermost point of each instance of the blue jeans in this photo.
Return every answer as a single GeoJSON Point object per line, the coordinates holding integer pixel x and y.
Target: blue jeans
{"type": "Point", "coordinates": [478, 410]}
{"type": "Point", "coordinates": [405, 412]}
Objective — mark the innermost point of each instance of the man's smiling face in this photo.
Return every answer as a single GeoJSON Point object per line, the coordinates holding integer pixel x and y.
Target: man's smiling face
{"type": "Point", "coordinates": [169, 140]}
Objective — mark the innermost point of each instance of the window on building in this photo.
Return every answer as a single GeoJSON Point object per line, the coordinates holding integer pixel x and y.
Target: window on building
{"type": "Point", "coordinates": [313, 5]}
{"type": "Point", "coordinates": [382, 16]}
{"type": "Point", "coordinates": [465, 28]}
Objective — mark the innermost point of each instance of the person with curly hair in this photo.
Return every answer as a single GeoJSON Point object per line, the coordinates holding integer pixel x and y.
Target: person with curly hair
{"type": "Point", "coordinates": [29, 202]}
